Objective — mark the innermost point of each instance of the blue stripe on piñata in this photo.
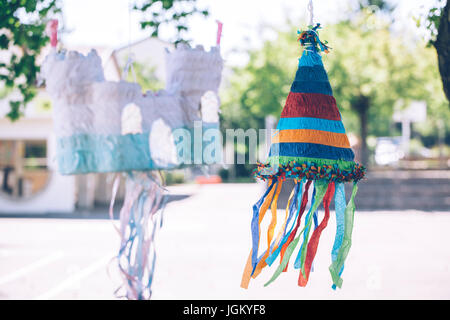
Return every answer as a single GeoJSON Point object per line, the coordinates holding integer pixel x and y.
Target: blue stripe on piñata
{"type": "Point", "coordinates": [314, 73]}
{"type": "Point", "coordinates": [310, 59]}
{"type": "Point", "coordinates": [311, 150]}
{"type": "Point", "coordinates": [312, 87]}
{"type": "Point", "coordinates": [311, 124]}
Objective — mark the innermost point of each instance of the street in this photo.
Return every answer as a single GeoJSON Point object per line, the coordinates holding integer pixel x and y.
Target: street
{"type": "Point", "coordinates": [203, 246]}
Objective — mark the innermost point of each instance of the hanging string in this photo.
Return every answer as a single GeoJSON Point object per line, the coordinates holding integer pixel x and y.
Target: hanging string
{"type": "Point", "coordinates": [311, 13]}
{"type": "Point", "coordinates": [129, 28]}
{"type": "Point", "coordinates": [309, 39]}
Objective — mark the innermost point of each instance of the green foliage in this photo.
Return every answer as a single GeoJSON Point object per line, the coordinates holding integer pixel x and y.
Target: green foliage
{"type": "Point", "coordinates": [381, 5]}
{"type": "Point", "coordinates": [431, 21]}
{"type": "Point", "coordinates": [146, 77]}
{"type": "Point", "coordinates": [173, 177]}
{"type": "Point", "coordinates": [165, 12]}
{"type": "Point", "coordinates": [261, 87]}
{"type": "Point", "coordinates": [22, 25]}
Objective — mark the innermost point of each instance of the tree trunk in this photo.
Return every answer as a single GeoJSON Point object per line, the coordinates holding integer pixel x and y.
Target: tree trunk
{"type": "Point", "coordinates": [361, 105]}
{"type": "Point", "coordinates": [442, 45]}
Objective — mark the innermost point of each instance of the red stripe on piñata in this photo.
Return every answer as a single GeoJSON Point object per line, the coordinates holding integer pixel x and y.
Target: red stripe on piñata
{"type": "Point", "coordinates": [312, 105]}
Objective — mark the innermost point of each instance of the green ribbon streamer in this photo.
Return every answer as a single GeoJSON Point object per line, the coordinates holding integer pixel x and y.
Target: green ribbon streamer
{"type": "Point", "coordinates": [321, 188]}
{"type": "Point", "coordinates": [336, 266]}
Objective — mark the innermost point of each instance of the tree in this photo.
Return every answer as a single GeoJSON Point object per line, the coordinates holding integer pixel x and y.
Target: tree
{"type": "Point", "coordinates": [381, 5]}
{"type": "Point", "coordinates": [261, 87]}
{"type": "Point", "coordinates": [22, 25]}
{"type": "Point", "coordinates": [442, 45]}
{"type": "Point", "coordinates": [437, 22]}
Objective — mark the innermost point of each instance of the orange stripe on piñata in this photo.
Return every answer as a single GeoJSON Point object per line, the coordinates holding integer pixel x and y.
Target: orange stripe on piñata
{"type": "Point", "coordinates": [313, 105]}
{"type": "Point", "coordinates": [332, 139]}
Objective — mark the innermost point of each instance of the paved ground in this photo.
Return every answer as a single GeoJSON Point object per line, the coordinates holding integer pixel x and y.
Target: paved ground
{"type": "Point", "coordinates": [203, 246]}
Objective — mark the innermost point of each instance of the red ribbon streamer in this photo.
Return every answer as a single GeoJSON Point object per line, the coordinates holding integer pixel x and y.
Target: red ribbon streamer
{"type": "Point", "coordinates": [292, 235]}
{"type": "Point", "coordinates": [314, 241]}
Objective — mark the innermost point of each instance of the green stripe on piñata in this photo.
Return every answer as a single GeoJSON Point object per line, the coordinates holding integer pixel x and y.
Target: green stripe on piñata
{"type": "Point", "coordinates": [283, 167]}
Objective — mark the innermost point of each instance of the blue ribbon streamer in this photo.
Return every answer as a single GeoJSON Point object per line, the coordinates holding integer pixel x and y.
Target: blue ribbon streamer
{"type": "Point", "coordinates": [292, 209]}
{"type": "Point", "coordinates": [303, 246]}
{"type": "Point", "coordinates": [339, 207]}
{"type": "Point", "coordinates": [255, 226]}
{"type": "Point", "coordinates": [271, 258]}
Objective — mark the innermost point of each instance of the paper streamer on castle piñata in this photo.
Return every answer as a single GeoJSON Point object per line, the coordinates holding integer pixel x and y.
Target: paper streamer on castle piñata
{"type": "Point", "coordinates": [311, 147]}
{"type": "Point", "coordinates": [111, 126]}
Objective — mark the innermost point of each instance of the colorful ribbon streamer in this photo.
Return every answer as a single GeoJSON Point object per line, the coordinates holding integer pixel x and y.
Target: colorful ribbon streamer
{"type": "Point", "coordinates": [139, 222]}
{"type": "Point", "coordinates": [338, 264]}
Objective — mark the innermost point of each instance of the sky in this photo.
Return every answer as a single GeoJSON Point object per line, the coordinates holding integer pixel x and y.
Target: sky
{"type": "Point", "coordinates": [111, 23]}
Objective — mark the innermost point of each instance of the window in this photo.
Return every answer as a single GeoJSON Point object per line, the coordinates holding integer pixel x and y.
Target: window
{"type": "Point", "coordinates": [23, 167]}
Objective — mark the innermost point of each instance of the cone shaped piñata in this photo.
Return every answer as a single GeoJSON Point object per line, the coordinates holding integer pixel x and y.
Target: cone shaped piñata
{"type": "Point", "coordinates": [311, 147]}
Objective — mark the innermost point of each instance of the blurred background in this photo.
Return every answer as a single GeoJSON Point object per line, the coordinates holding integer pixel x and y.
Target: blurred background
{"type": "Point", "coordinates": [388, 68]}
